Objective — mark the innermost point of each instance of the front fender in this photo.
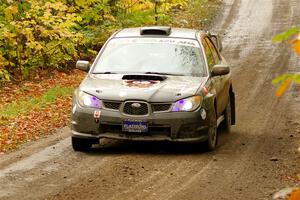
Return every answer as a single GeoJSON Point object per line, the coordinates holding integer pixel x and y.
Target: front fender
{"type": "Point", "coordinates": [209, 103]}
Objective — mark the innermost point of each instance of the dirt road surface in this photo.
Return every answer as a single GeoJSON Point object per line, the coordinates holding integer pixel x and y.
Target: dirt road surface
{"type": "Point", "coordinates": [256, 160]}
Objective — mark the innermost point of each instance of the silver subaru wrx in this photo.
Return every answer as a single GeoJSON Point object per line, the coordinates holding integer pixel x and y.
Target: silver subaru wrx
{"type": "Point", "coordinates": [154, 83]}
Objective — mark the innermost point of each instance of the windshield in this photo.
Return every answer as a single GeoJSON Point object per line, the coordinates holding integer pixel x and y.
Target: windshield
{"type": "Point", "coordinates": [152, 55]}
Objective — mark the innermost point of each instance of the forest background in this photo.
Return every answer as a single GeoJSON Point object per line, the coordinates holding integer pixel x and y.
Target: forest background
{"type": "Point", "coordinates": [52, 34]}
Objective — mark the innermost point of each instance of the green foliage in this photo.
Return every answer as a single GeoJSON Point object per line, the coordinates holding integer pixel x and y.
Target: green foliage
{"type": "Point", "coordinates": [4, 75]}
{"type": "Point", "coordinates": [285, 80]}
{"type": "Point", "coordinates": [43, 34]}
{"type": "Point", "coordinates": [286, 35]}
{"type": "Point", "coordinates": [281, 79]}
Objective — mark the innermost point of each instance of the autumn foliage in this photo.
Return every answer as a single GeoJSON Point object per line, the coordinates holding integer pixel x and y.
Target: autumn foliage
{"type": "Point", "coordinates": [42, 34]}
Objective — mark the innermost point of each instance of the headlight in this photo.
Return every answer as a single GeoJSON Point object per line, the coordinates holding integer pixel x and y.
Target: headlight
{"type": "Point", "coordinates": [188, 104]}
{"type": "Point", "coordinates": [87, 100]}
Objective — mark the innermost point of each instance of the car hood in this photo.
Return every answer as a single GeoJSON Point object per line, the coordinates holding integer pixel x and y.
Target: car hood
{"type": "Point", "coordinates": [113, 87]}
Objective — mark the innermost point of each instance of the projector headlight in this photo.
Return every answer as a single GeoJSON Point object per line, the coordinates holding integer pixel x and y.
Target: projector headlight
{"type": "Point", "coordinates": [87, 100]}
{"type": "Point", "coordinates": [188, 104]}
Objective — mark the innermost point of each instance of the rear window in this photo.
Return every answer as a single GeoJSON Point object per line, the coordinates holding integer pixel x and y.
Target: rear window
{"type": "Point", "coordinates": [162, 55]}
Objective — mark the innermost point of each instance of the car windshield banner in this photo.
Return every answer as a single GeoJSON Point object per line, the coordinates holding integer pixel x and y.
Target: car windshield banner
{"type": "Point", "coordinates": [174, 41]}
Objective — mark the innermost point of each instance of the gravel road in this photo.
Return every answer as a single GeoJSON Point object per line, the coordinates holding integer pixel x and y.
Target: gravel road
{"type": "Point", "coordinates": [259, 157]}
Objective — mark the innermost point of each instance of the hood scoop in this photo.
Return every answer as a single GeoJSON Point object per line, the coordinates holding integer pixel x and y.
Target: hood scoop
{"type": "Point", "coordinates": [144, 77]}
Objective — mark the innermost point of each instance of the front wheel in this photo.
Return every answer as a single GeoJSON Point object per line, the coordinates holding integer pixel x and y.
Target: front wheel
{"type": "Point", "coordinates": [79, 144]}
{"type": "Point", "coordinates": [211, 143]}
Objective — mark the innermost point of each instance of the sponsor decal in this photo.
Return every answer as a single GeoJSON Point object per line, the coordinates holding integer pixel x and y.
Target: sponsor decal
{"type": "Point", "coordinates": [97, 114]}
{"type": "Point", "coordinates": [140, 83]}
{"type": "Point", "coordinates": [172, 41]}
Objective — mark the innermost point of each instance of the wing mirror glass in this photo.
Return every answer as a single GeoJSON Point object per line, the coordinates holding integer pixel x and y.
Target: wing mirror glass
{"type": "Point", "coordinates": [219, 70]}
{"type": "Point", "coordinates": [83, 65]}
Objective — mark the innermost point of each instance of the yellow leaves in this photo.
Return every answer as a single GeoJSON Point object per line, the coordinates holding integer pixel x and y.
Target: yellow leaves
{"type": "Point", "coordinates": [4, 75]}
{"type": "Point", "coordinates": [81, 3]}
{"type": "Point", "coordinates": [47, 15]}
{"type": "Point", "coordinates": [13, 9]}
{"type": "Point", "coordinates": [48, 33]}
{"type": "Point", "coordinates": [296, 44]}
{"type": "Point", "coordinates": [34, 45]}
{"type": "Point", "coordinates": [10, 11]}
{"type": "Point", "coordinates": [42, 34]}
{"type": "Point", "coordinates": [58, 6]}
{"type": "Point", "coordinates": [283, 87]}
{"type": "Point", "coordinates": [109, 17]}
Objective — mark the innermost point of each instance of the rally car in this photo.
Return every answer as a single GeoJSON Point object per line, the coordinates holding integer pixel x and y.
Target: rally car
{"type": "Point", "coordinates": [154, 83]}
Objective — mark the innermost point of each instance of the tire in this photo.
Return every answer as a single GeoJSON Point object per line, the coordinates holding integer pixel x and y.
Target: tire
{"type": "Point", "coordinates": [228, 118]}
{"type": "Point", "coordinates": [211, 143]}
{"type": "Point", "coordinates": [79, 144]}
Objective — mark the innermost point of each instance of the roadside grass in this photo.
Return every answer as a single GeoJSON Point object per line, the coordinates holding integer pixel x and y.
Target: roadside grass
{"type": "Point", "coordinates": [34, 109]}
{"type": "Point", "coordinates": [27, 119]}
{"type": "Point", "coordinates": [21, 107]}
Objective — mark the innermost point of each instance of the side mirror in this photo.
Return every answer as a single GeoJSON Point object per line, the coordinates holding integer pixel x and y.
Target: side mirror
{"type": "Point", "coordinates": [217, 41]}
{"type": "Point", "coordinates": [83, 65]}
{"type": "Point", "coordinates": [219, 70]}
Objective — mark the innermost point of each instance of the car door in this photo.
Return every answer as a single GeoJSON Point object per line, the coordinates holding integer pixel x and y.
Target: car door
{"type": "Point", "coordinates": [223, 81]}
{"type": "Point", "coordinates": [214, 85]}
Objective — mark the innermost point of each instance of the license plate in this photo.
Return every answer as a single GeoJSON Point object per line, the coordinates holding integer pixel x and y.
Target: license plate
{"type": "Point", "coordinates": [135, 126]}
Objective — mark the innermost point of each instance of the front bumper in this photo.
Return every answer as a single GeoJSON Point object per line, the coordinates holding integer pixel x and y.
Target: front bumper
{"type": "Point", "coordinates": [164, 126]}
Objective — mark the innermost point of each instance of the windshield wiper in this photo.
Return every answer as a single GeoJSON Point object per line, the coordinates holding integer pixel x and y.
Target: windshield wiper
{"type": "Point", "coordinates": [163, 73]}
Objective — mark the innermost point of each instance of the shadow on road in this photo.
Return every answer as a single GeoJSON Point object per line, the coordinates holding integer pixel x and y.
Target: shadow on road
{"type": "Point", "coordinates": [115, 147]}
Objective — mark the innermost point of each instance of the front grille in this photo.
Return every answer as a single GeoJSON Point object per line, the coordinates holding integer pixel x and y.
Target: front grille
{"type": "Point", "coordinates": [112, 105]}
{"type": "Point", "coordinates": [161, 107]}
{"type": "Point", "coordinates": [135, 108]}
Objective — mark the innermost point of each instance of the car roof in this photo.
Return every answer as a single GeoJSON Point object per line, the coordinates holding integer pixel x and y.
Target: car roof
{"type": "Point", "coordinates": [174, 32]}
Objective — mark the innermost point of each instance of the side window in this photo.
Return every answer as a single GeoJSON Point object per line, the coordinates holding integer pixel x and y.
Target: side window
{"type": "Point", "coordinates": [209, 55]}
{"type": "Point", "coordinates": [214, 51]}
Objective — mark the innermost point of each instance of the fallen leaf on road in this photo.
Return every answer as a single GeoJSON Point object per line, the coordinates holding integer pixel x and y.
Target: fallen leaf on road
{"type": "Point", "coordinates": [295, 195]}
